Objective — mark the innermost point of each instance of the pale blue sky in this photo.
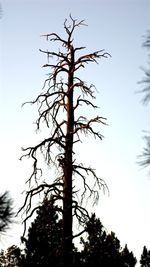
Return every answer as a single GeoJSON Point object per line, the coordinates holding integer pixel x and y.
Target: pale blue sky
{"type": "Point", "coordinates": [118, 27]}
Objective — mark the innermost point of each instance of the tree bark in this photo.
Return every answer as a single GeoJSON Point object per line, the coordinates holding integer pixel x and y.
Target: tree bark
{"type": "Point", "coordinates": [57, 149]}
{"type": "Point", "coordinates": [67, 199]}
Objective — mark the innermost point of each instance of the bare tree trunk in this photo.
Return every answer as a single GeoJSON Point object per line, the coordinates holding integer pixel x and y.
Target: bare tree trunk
{"type": "Point", "coordinates": [57, 149]}
{"type": "Point", "coordinates": [68, 169]}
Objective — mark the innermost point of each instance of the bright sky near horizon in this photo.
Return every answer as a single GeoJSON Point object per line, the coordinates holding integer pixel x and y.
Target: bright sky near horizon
{"type": "Point", "coordinates": [118, 27]}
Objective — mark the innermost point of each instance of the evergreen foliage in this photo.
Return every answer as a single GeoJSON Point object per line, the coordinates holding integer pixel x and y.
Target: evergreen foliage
{"type": "Point", "coordinates": [43, 246]}
{"type": "Point", "coordinates": [145, 156]}
{"type": "Point", "coordinates": [6, 211]}
{"type": "Point", "coordinates": [103, 249]}
{"type": "Point", "coordinates": [12, 257]}
{"type": "Point", "coordinates": [145, 258]}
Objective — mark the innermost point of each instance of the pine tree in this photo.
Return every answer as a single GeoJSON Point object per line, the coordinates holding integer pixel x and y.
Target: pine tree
{"type": "Point", "coordinates": [43, 245]}
{"type": "Point", "coordinates": [128, 258]}
{"type": "Point", "coordinates": [145, 258]}
{"type": "Point", "coordinates": [93, 246]}
{"type": "Point", "coordinates": [144, 158]}
{"type": "Point", "coordinates": [103, 249]}
{"type": "Point", "coordinates": [64, 93]}
{"type": "Point", "coordinates": [146, 80]}
{"type": "Point", "coordinates": [12, 257]}
{"type": "Point", "coordinates": [6, 211]}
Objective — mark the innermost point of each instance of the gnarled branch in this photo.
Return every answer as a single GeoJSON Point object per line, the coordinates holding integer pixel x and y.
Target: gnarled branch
{"type": "Point", "coordinates": [62, 93]}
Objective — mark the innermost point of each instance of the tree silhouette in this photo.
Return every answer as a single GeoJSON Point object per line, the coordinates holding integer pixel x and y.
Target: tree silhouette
{"type": "Point", "coordinates": [103, 249]}
{"type": "Point", "coordinates": [12, 257]}
{"type": "Point", "coordinates": [64, 92]}
{"type": "Point", "coordinates": [93, 247]}
{"type": "Point", "coordinates": [128, 258]}
{"type": "Point", "coordinates": [43, 246]}
{"type": "Point", "coordinates": [44, 241]}
{"type": "Point", "coordinates": [145, 258]}
{"type": "Point", "coordinates": [6, 211]}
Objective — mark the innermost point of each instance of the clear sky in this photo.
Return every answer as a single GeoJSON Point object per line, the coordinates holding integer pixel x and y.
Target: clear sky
{"type": "Point", "coordinates": [118, 27]}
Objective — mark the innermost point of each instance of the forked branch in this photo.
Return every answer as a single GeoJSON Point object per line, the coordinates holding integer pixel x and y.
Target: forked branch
{"type": "Point", "coordinates": [58, 106]}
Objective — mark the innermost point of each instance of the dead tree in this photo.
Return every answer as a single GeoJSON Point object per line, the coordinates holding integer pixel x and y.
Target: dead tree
{"type": "Point", "coordinates": [62, 95]}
